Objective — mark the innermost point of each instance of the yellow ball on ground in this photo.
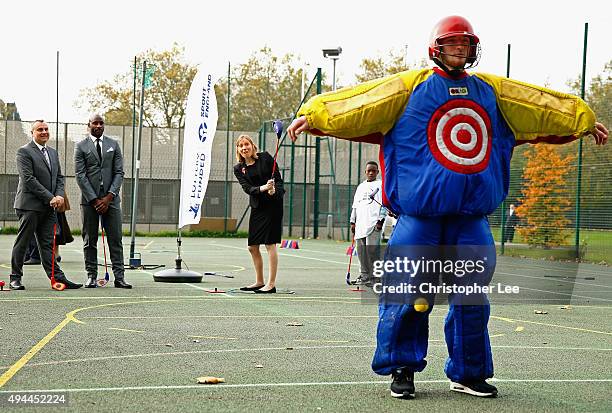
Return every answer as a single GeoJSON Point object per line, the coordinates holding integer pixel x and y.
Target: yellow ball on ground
{"type": "Point", "coordinates": [421, 305]}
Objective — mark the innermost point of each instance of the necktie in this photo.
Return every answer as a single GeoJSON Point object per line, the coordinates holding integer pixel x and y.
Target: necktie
{"type": "Point", "coordinates": [99, 149]}
{"type": "Point", "coordinates": [46, 156]}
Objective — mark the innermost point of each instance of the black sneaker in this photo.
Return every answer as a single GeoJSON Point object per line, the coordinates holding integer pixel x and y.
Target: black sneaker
{"type": "Point", "coordinates": [476, 388]}
{"type": "Point", "coordinates": [402, 385]}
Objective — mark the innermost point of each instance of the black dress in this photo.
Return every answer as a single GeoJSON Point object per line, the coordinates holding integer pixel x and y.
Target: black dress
{"type": "Point", "coordinates": [266, 220]}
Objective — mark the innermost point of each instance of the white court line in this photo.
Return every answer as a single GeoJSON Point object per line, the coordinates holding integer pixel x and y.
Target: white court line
{"type": "Point", "coordinates": [552, 380]}
{"type": "Point", "coordinates": [295, 348]}
{"type": "Point", "coordinates": [325, 252]}
{"type": "Point", "coordinates": [183, 353]}
{"type": "Point", "coordinates": [552, 279]}
{"type": "Point", "coordinates": [501, 273]}
{"type": "Point", "coordinates": [194, 286]}
{"type": "Point", "coordinates": [554, 348]}
{"type": "Point", "coordinates": [184, 297]}
{"type": "Point", "coordinates": [229, 316]}
{"type": "Point", "coordinates": [303, 384]}
{"type": "Point", "coordinates": [572, 295]}
{"type": "Point", "coordinates": [583, 269]}
{"type": "Point", "coordinates": [289, 255]}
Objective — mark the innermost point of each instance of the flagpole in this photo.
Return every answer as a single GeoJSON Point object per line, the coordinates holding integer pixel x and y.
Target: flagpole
{"type": "Point", "coordinates": [57, 100]}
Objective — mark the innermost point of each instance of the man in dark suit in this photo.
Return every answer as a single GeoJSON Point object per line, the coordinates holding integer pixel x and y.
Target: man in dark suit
{"type": "Point", "coordinates": [511, 222]}
{"type": "Point", "coordinates": [99, 173]}
{"type": "Point", "coordinates": [39, 193]}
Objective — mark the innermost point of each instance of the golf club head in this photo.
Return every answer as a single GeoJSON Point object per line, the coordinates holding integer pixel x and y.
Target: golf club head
{"type": "Point", "coordinates": [58, 286]}
{"type": "Point", "coordinates": [373, 194]}
{"type": "Point", "coordinates": [348, 278]}
{"type": "Point", "coordinates": [278, 127]}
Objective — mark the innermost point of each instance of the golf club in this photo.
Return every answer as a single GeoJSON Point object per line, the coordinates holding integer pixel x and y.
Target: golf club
{"type": "Point", "coordinates": [58, 286]}
{"type": "Point", "coordinates": [278, 128]}
{"type": "Point", "coordinates": [348, 272]}
{"type": "Point", "coordinates": [104, 281]}
{"type": "Point", "coordinates": [391, 213]}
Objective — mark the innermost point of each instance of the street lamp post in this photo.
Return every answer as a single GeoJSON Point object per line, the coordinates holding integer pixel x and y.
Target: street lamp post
{"type": "Point", "coordinates": [334, 55]}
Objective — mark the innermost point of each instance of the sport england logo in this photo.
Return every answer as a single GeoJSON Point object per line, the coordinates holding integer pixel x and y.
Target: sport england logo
{"type": "Point", "coordinates": [459, 136]}
{"type": "Point", "coordinates": [458, 91]}
{"type": "Point", "coordinates": [202, 131]}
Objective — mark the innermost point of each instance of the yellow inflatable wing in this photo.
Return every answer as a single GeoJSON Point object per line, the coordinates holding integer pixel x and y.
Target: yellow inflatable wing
{"type": "Point", "coordinates": [364, 112]}
{"type": "Point", "coordinates": [536, 114]}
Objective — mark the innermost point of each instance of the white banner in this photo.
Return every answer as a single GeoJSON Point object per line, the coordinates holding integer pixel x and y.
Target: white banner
{"type": "Point", "coordinates": [200, 127]}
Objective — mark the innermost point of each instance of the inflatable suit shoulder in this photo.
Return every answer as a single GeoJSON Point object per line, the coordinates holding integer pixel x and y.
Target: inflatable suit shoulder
{"type": "Point", "coordinates": [365, 112]}
{"type": "Point", "coordinates": [536, 114]}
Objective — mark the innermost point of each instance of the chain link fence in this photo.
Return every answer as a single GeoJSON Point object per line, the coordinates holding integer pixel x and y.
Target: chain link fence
{"type": "Point", "coordinates": [341, 169]}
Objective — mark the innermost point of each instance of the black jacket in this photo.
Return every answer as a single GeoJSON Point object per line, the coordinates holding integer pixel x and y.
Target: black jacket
{"type": "Point", "coordinates": [264, 165]}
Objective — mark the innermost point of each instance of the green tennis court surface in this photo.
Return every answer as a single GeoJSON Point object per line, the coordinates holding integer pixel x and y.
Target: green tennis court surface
{"type": "Point", "coordinates": [143, 349]}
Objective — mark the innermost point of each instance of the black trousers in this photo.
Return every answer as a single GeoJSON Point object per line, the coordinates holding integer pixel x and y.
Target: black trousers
{"type": "Point", "coordinates": [38, 224]}
{"type": "Point", "coordinates": [112, 228]}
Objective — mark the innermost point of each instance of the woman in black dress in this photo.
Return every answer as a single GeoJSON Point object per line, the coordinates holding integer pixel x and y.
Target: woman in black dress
{"type": "Point", "coordinates": [254, 173]}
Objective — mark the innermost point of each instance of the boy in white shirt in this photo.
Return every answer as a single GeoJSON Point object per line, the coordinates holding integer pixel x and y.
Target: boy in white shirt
{"type": "Point", "coordinates": [367, 218]}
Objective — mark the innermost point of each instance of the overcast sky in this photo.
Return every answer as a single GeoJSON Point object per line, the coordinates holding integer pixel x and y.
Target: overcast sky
{"type": "Point", "coordinates": [99, 39]}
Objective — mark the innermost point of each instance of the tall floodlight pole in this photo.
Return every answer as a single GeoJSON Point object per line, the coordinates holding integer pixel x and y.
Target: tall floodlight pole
{"type": "Point", "coordinates": [135, 188]}
{"type": "Point", "coordinates": [334, 55]}
{"type": "Point", "coordinates": [134, 120]}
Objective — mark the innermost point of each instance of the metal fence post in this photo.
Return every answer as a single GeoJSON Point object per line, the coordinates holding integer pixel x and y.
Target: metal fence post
{"type": "Point", "coordinates": [503, 205]}
{"type": "Point", "coordinates": [227, 144]}
{"type": "Point", "coordinates": [579, 177]}
{"type": "Point", "coordinates": [317, 169]}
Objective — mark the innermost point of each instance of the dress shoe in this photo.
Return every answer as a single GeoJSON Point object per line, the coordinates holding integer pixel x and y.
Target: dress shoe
{"type": "Point", "coordinates": [270, 291]}
{"type": "Point", "coordinates": [91, 283]}
{"type": "Point", "coordinates": [122, 284]}
{"type": "Point", "coordinates": [16, 284]}
{"type": "Point", "coordinates": [251, 288]}
{"type": "Point", "coordinates": [32, 261]}
{"type": "Point", "coordinates": [69, 284]}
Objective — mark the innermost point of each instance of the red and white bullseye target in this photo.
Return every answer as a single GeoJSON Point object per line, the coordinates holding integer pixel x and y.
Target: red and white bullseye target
{"type": "Point", "coordinates": [459, 136]}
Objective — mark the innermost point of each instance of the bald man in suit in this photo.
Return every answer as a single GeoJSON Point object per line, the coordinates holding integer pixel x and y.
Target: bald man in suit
{"type": "Point", "coordinates": [39, 193]}
{"type": "Point", "coordinates": [99, 172]}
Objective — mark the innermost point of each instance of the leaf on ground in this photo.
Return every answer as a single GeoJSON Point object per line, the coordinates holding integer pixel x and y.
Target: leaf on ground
{"type": "Point", "coordinates": [210, 380]}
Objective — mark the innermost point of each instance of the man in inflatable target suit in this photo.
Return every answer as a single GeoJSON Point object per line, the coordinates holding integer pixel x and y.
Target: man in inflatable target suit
{"type": "Point", "coordinates": [446, 139]}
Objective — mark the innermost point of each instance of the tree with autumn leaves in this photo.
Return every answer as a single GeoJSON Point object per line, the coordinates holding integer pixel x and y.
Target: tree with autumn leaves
{"type": "Point", "coordinates": [546, 196]}
{"type": "Point", "coordinates": [164, 105]}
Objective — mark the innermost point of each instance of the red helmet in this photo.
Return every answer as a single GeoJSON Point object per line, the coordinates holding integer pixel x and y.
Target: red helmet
{"type": "Point", "coordinates": [454, 26]}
